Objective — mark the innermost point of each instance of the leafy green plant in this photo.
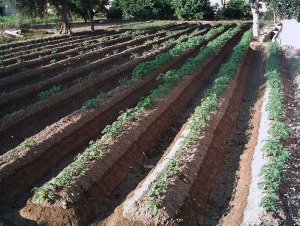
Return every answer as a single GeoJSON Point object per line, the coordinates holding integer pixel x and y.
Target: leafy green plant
{"type": "Point", "coordinates": [145, 68]}
{"type": "Point", "coordinates": [27, 143]}
{"type": "Point", "coordinates": [92, 74]}
{"type": "Point", "coordinates": [134, 55]}
{"type": "Point", "coordinates": [46, 94]}
{"type": "Point", "coordinates": [2, 94]}
{"type": "Point", "coordinates": [272, 171]}
{"type": "Point", "coordinates": [43, 193]}
{"type": "Point", "coordinates": [54, 51]}
{"type": "Point", "coordinates": [78, 81]}
{"type": "Point", "coordinates": [9, 155]}
{"type": "Point", "coordinates": [93, 103]}
{"type": "Point", "coordinates": [52, 61]}
{"type": "Point", "coordinates": [123, 81]}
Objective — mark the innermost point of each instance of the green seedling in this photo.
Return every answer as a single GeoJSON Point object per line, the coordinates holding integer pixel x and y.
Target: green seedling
{"type": "Point", "coordinates": [46, 94]}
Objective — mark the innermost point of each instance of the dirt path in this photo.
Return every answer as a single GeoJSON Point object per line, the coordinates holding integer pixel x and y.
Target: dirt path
{"type": "Point", "coordinates": [239, 157]}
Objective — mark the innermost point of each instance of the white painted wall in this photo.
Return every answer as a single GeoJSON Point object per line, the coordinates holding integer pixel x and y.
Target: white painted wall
{"type": "Point", "coordinates": [290, 34]}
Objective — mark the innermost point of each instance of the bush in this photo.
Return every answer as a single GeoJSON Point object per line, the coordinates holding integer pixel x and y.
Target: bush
{"type": "Point", "coordinates": [193, 9]}
{"type": "Point", "coordinates": [115, 11]}
{"type": "Point", "coordinates": [237, 9]}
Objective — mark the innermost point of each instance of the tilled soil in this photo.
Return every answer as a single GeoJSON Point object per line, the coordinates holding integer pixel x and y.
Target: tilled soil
{"type": "Point", "coordinates": [290, 189]}
{"type": "Point", "coordinates": [219, 195]}
{"type": "Point", "coordinates": [229, 196]}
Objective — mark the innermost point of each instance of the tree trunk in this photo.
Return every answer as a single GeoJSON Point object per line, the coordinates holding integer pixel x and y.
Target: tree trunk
{"type": "Point", "coordinates": [65, 27]}
{"type": "Point", "coordinates": [223, 3]}
{"type": "Point", "coordinates": [91, 18]}
{"type": "Point", "coordinates": [255, 14]}
{"type": "Point", "coordinates": [274, 16]}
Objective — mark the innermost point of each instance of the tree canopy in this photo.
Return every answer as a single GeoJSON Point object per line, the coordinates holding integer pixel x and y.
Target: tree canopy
{"type": "Point", "coordinates": [286, 9]}
{"type": "Point", "coordinates": [64, 8]}
{"type": "Point", "coordinates": [162, 9]}
{"type": "Point", "coordinates": [141, 9]}
{"type": "Point", "coordinates": [237, 9]}
{"type": "Point", "coordinates": [193, 9]}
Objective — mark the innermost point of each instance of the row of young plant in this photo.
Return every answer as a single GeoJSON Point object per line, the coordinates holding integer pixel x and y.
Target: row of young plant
{"type": "Point", "coordinates": [91, 44]}
{"type": "Point", "coordinates": [203, 114]}
{"type": "Point", "coordinates": [272, 171]}
{"type": "Point", "coordinates": [46, 48]}
{"type": "Point", "coordinates": [85, 48]}
{"type": "Point", "coordinates": [97, 148]}
{"type": "Point", "coordinates": [93, 102]}
{"type": "Point", "coordinates": [145, 68]}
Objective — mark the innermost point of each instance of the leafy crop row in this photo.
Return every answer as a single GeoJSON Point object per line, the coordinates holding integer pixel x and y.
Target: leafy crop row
{"type": "Point", "coordinates": [279, 131]}
{"type": "Point", "coordinates": [160, 60]}
{"type": "Point", "coordinates": [98, 147]}
{"type": "Point", "coordinates": [57, 88]}
{"type": "Point", "coordinates": [163, 58]}
{"type": "Point", "coordinates": [203, 114]}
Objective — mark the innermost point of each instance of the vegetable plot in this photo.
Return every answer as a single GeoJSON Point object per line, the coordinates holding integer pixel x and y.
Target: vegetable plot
{"type": "Point", "coordinates": [148, 127]}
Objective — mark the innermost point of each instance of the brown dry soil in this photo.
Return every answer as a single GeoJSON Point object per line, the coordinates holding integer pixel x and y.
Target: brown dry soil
{"type": "Point", "coordinates": [225, 175]}
{"type": "Point", "coordinates": [60, 146]}
{"type": "Point", "coordinates": [62, 104]}
{"type": "Point", "coordinates": [231, 167]}
{"type": "Point", "coordinates": [221, 186]}
{"type": "Point", "coordinates": [134, 161]}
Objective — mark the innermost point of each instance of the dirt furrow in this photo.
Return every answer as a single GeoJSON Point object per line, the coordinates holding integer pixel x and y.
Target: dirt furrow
{"type": "Point", "coordinates": [23, 123]}
{"type": "Point", "coordinates": [21, 98]}
{"type": "Point", "coordinates": [59, 47]}
{"type": "Point", "coordinates": [20, 80]}
{"type": "Point", "coordinates": [56, 142]}
{"type": "Point", "coordinates": [31, 64]}
{"type": "Point", "coordinates": [128, 151]}
{"type": "Point", "coordinates": [229, 177]}
{"type": "Point", "coordinates": [53, 58]}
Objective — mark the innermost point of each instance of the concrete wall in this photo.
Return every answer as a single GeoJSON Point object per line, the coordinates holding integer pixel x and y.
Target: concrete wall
{"type": "Point", "coordinates": [290, 34]}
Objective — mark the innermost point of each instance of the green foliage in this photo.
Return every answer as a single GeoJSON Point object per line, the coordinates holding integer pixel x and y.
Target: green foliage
{"type": "Point", "coordinates": [115, 11]}
{"type": "Point", "coordinates": [2, 94]}
{"type": "Point", "coordinates": [163, 58]}
{"type": "Point", "coordinates": [46, 94]}
{"type": "Point", "coordinates": [27, 143]}
{"type": "Point", "coordinates": [94, 103]}
{"type": "Point", "coordinates": [286, 9]}
{"type": "Point", "coordinates": [141, 9]}
{"type": "Point", "coordinates": [237, 9]}
{"type": "Point", "coordinates": [9, 155]}
{"type": "Point", "coordinates": [193, 9]}
{"type": "Point", "coordinates": [92, 75]}
{"type": "Point", "coordinates": [123, 81]}
{"type": "Point", "coordinates": [273, 171]}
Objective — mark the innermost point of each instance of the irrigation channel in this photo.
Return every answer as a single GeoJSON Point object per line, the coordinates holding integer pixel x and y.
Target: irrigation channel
{"type": "Point", "coordinates": [61, 163]}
